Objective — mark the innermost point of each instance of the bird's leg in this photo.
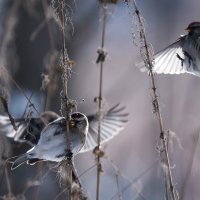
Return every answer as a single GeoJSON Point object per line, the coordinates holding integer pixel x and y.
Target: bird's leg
{"type": "Point", "coordinates": [189, 58]}
{"type": "Point", "coordinates": [181, 59]}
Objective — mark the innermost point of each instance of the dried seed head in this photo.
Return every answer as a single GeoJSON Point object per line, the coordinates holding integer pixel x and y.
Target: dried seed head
{"type": "Point", "coordinates": [98, 151]}
{"type": "Point", "coordinates": [77, 192]}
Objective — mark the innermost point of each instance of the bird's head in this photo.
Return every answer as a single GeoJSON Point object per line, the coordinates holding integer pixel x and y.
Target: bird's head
{"type": "Point", "coordinates": [79, 120]}
{"type": "Point", "coordinates": [193, 26]}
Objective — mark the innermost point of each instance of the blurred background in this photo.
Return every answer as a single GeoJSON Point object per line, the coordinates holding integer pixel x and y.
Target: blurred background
{"type": "Point", "coordinates": [29, 47]}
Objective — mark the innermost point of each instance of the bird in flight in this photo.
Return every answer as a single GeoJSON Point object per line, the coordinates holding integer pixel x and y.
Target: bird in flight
{"type": "Point", "coordinates": [183, 56]}
{"type": "Point", "coordinates": [84, 131]}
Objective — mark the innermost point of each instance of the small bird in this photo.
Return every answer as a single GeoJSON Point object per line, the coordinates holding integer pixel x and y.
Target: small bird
{"type": "Point", "coordinates": [28, 130]}
{"type": "Point", "coordinates": [52, 144]}
{"type": "Point", "coordinates": [183, 56]}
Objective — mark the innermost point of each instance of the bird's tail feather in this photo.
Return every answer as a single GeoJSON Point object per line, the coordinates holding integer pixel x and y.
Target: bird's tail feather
{"type": "Point", "coordinates": [19, 161]}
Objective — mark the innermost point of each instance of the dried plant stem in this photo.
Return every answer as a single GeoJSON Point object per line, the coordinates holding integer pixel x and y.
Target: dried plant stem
{"type": "Point", "coordinates": [69, 175]}
{"type": "Point", "coordinates": [66, 104]}
{"type": "Point", "coordinates": [117, 174]}
{"type": "Point", "coordinates": [18, 87]}
{"type": "Point", "coordinates": [118, 187]}
{"type": "Point", "coordinates": [155, 101]}
{"type": "Point", "coordinates": [131, 182]}
{"type": "Point", "coordinates": [98, 158]}
{"type": "Point", "coordinates": [63, 48]}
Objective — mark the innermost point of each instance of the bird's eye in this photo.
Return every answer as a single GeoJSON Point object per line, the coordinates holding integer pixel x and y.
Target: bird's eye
{"type": "Point", "coordinates": [72, 123]}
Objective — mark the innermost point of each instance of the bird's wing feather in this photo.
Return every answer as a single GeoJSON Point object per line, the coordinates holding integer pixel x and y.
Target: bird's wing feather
{"type": "Point", "coordinates": [8, 130]}
{"type": "Point", "coordinates": [111, 124]}
{"type": "Point", "coordinates": [18, 135]}
{"type": "Point", "coordinates": [168, 61]}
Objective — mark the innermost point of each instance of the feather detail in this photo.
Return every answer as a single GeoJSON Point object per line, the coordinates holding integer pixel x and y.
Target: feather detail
{"type": "Point", "coordinates": [8, 130]}
{"type": "Point", "coordinates": [28, 130]}
{"type": "Point", "coordinates": [183, 56]}
{"type": "Point", "coordinates": [112, 123]}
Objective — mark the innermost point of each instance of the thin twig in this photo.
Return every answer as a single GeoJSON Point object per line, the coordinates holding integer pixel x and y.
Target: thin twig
{"type": "Point", "coordinates": [66, 103]}
{"type": "Point", "coordinates": [116, 171]}
{"type": "Point", "coordinates": [101, 59]}
{"type": "Point", "coordinates": [66, 100]}
{"type": "Point", "coordinates": [149, 64]}
{"type": "Point", "coordinates": [132, 182]}
{"type": "Point", "coordinates": [19, 88]}
{"type": "Point", "coordinates": [119, 173]}
{"type": "Point", "coordinates": [87, 170]}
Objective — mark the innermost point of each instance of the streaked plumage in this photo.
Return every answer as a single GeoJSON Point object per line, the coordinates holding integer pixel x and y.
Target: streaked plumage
{"type": "Point", "coordinates": [52, 143]}
{"type": "Point", "coordinates": [183, 56]}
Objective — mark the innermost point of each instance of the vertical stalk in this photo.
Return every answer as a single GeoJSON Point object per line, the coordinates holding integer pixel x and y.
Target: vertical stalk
{"type": "Point", "coordinates": [102, 55]}
{"type": "Point", "coordinates": [156, 102]}
{"type": "Point", "coordinates": [66, 106]}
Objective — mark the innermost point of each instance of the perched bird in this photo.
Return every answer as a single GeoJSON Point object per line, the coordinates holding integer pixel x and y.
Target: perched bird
{"type": "Point", "coordinates": [183, 56]}
{"type": "Point", "coordinates": [52, 145]}
{"type": "Point", "coordinates": [28, 130]}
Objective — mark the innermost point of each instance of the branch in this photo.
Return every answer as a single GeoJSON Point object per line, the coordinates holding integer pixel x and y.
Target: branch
{"type": "Point", "coordinates": [146, 53]}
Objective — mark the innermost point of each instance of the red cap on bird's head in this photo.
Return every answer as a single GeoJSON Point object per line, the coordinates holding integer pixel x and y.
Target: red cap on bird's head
{"type": "Point", "coordinates": [192, 26]}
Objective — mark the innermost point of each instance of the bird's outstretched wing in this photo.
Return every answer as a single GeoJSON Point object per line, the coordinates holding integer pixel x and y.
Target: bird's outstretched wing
{"type": "Point", "coordinates": [26, 131]}
{"type": "Point", "coordinates": [7, 129]}
{"type": "Point", "coordinates": [112, 123]}
{"type": "Point", "coordinates": [170, 60]}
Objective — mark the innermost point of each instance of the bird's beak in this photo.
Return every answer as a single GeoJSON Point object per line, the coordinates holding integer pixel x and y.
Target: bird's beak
{"type": "Point", "coordinates": [188, 29]}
